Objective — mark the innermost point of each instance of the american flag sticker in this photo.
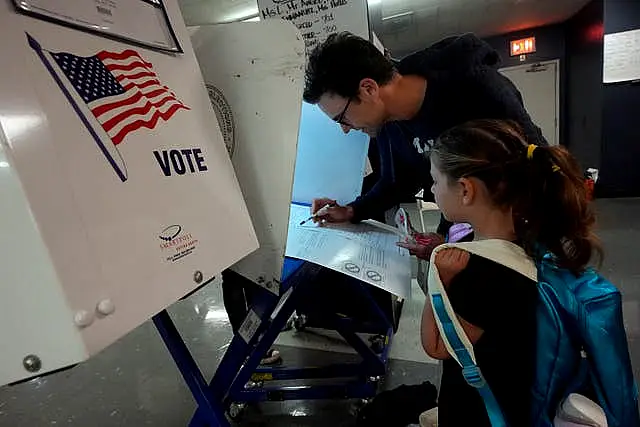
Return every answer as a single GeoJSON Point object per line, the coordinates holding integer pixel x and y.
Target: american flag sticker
{"type": "Point", "coordinates": [120, 89]}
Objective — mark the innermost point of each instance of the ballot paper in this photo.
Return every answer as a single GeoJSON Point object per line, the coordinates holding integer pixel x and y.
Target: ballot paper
{"type": "Point", "coordinates": [365, 251]}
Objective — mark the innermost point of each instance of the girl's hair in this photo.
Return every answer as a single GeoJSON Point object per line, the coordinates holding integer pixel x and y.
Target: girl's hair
{"type": "Point", "coordinates": [544, 187]}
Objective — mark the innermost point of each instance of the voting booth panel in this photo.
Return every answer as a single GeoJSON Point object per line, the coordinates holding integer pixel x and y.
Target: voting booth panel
{"type": "Point", "coordinates": [118, 196]}
{"type": "Point", "coordinates": [324, 151]}
{"type": "Point", "coordinates": [257, 93]}
{"type": "Point", "coordinates": [329, 162]}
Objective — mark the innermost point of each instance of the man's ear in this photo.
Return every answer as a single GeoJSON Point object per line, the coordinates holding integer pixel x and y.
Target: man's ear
{"type": "Point", "coordinates": [368, 88]}
{"type": "Point", "coordinates": [468, 190]}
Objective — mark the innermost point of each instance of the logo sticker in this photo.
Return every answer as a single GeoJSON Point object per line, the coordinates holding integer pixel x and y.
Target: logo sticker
{"type": "Point", "coordinates": [170, 233]}
{"type": "Point", "coordinates": [176, 245]}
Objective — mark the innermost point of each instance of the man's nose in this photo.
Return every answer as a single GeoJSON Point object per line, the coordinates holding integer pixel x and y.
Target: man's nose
{"type": "Point", "coordinates": [345, 128]}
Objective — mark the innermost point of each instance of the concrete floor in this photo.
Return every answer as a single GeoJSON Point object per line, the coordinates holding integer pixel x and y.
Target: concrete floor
{"type": "Point", "coordinates": [135, 383]}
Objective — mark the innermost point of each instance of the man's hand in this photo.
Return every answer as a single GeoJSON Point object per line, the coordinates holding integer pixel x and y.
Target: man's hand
{"type": "Point", "coordinates": [423, 245]}
{"type": "Point", "coordinates": [450, 262]}
{"type": "Point", "coordinates": [333, 213]}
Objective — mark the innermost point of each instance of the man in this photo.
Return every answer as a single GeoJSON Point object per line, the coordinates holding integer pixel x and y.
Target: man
{"type": "Point", "coordinates": [405, 106]}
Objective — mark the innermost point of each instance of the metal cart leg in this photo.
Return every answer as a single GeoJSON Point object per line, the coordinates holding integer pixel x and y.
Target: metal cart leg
{"type": "Point", "coordinates": [210, 412]}
{"type": "Point", "coordinates": [241, 362]}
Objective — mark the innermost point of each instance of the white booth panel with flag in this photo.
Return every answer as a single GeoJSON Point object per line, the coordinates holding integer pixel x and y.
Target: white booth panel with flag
{"type": "Point", "coordinates": [118, 197]}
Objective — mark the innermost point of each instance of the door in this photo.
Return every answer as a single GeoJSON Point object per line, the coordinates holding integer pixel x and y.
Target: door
{"type": "Point", "coordinates": [539, 86]}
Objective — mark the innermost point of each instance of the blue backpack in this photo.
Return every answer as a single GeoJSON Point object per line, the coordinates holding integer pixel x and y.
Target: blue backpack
{"type": "Point", "coordinates": [581, 343]}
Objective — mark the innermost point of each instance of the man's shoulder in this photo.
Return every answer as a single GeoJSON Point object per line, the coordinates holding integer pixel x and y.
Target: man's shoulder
{"type": "Point", "coordinates": [457, 54]}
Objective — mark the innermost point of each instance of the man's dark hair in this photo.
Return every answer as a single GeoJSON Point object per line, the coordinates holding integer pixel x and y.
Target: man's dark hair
{"type": "Point", "coordinates": [339, 64]}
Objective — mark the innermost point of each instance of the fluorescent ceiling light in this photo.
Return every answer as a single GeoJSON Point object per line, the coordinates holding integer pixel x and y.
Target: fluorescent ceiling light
{"type": "Point", "coordinates": [243, 14]}
{"type": "Point", "coordinates": [397, 15]}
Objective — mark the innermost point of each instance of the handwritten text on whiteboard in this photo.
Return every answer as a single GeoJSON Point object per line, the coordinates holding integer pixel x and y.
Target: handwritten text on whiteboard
{"type": "Point", "coordinates": [317, 19]}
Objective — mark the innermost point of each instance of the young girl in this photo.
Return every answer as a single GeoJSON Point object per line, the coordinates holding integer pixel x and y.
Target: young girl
{"type": "Point", "coordinates": [485, 173]}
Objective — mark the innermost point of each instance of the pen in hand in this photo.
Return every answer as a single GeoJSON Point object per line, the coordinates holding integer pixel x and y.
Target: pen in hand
{"type": "Point", "coordinates": [320, 212]}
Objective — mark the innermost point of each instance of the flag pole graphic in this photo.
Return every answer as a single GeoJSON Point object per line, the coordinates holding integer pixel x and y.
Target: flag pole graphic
{"type": "Point", "coordinates": [120, 170]}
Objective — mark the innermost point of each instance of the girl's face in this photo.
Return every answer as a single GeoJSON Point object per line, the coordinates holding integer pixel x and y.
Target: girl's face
{"type": "Point", "coordinates": [449, 194]}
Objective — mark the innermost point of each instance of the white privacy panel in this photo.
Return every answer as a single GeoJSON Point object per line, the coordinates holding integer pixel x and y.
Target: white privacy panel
{"type": "Point", "coordinates": [330, 163]}
{"type": "Point", "coordinates": [118, 196]}
{"type": "Point", "coordinates": [257, 94]}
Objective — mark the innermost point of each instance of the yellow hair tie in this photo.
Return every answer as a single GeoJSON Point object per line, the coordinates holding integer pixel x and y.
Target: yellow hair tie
{"type": "Point", "coordinates": [555, 168]}
{"type": "Point", "coordinates": [530, 149]}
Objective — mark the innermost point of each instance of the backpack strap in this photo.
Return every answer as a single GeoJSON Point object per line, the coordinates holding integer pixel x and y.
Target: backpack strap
{"type": "Point", "coordinates": [455, 339]}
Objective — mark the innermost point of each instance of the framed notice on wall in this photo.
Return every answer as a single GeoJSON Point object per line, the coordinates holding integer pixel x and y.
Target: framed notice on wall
{"type": "Point", "coordinates": [317, 19]}
{"type": "Point", "coordinates": [621, 57]}
{"type": "Point", "coordinates": [143, 22]}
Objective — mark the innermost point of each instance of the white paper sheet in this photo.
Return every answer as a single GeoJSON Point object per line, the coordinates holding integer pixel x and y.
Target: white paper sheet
{"type": "Point", "coordinates": [362, 251]}
{"type": "Point", "coordinates": [621, 57]}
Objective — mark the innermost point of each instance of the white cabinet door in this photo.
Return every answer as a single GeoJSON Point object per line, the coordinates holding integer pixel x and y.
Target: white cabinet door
{"type": "Point", "coordinates": [539, 86]}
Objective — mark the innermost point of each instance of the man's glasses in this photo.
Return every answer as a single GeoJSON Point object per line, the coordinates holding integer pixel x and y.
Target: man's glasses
{"type": "Point", "coordinates": [340, 117]}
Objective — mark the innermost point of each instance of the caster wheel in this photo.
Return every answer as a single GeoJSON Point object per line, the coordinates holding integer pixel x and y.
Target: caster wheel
{"type": "Point", "coordinates": [300, 322]}
{"type": "Point", "coordinates": [357, 407]}
{"type": "Point", "coordinates": [254, 384]}
{"type": "Point", "coordinates": [377, 344]}
{"type": "Point", "coordinates": [377, 383]}
{"type": "Point", "coordinates": [289, 325]}
{"type": "Point", "coordinates": [375, 380]}
{"type": "Point", "coordinates": [236, 411]}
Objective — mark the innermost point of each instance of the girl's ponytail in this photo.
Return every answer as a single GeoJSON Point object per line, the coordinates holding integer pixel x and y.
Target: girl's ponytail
{"type": "Point", "coordinates": [553, 213]}
{"type": "Point", "coordinates": [543, 186]}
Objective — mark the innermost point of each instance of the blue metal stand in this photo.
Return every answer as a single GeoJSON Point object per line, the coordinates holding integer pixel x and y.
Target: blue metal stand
{"type": "Point", "coordinates": [266, 319]}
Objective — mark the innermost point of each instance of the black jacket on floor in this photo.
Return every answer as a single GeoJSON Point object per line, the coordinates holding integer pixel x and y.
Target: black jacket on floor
{"type": "Point", "coordinates": [399, 407]}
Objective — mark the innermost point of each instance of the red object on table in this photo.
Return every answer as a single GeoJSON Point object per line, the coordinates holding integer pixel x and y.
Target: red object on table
{"type": "Point", "coordinates": [590, 184]}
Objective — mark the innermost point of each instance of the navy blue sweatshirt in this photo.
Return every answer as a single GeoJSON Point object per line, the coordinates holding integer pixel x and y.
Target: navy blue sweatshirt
{"type": "Point", "coordinates": [463, 84]}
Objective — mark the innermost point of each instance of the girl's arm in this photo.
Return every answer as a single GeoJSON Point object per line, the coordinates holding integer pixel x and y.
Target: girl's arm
{"type": "Point", "coordinates": [450, 262]}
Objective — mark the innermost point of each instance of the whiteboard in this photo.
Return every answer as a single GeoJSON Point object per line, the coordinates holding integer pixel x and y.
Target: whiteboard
{"type": "Point", "coordinates": [317, 19]}
{"type": "Point", "coordinates": [621, 57]}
